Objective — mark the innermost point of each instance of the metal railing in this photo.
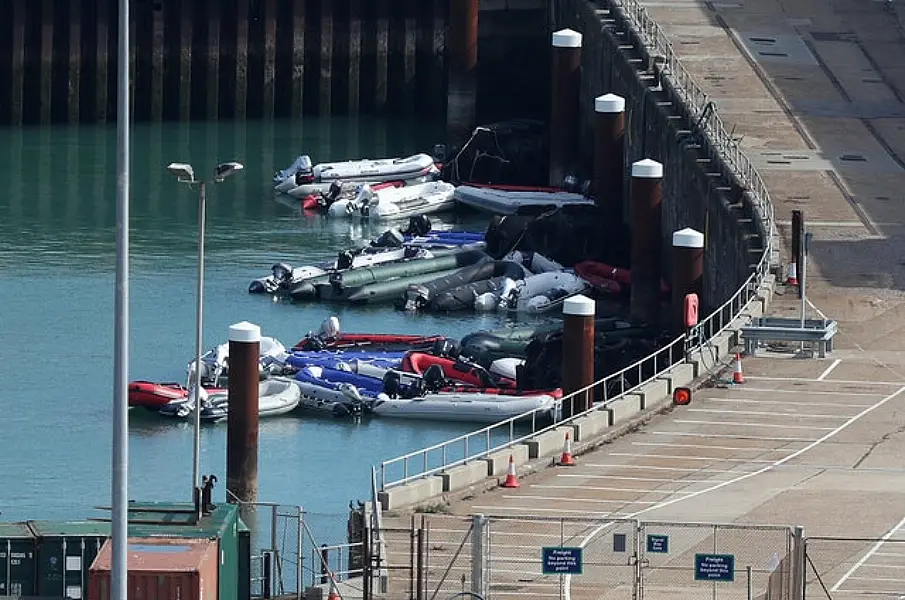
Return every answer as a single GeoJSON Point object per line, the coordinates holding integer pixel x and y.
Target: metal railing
{"type": "Point", "coordinates": [478, 444]}
{"type": "Point", "coordinates": [709, 122]}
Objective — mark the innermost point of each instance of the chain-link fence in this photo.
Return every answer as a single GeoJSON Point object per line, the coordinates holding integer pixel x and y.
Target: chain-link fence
{"type": "Point", "coordinates": [506, 557]}
{"type": "Point", "coordinates": [854, 568]}
{"type": "Point", "coordinates": [277, 544]}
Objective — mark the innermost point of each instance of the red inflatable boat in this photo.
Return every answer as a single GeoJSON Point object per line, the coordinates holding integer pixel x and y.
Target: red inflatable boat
{"type": "Point", "coordinates": [315, 202]}
{"type": "Point", "coordinates": [471, 375]}
{"type": "Point", "coordinates": [153, 396]}
{"type": "Point", "coordinates": [607, 278]}
{"type": "Point", "coordinates": [385, 341]}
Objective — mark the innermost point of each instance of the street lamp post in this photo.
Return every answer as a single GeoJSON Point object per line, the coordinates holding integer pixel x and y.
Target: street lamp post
{"type": "Point", "coordinates": [185, 173]}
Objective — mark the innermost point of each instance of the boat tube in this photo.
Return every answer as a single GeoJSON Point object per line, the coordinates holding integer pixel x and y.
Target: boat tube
{"type": "Point", "coordinates": [609, 279]}
{"type": "Point", "coordinates": [452, 260]}
{"type": "Point", "coordinates": [319, 177]}
{"type": "Point", "coordinates": [153, 396]}
{"type": "Point", "coordinates": [454, 369]}
{"type": "Point", "coordinates": [329, 337]}
{"type": "Point", "coordinates": [345, 359]}
{"type": "Point", "coordinates": [419, 296]}
{"type": "Point", "coordinates": [509, 202]}
{"type": "Point", "coordinates": [465, 296]}
{"type": "Point", "coordinates": [538, 293]}
{"type": "Point", "coordinates": [276, 397]}
{"type": "Point", "coordinates": [375, 203]}
{"type": "Point", "coordinates": [463, 406]}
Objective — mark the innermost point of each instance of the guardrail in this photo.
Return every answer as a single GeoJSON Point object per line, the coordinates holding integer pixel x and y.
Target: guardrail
{"type": "Point", "coordinates": [699, 106]}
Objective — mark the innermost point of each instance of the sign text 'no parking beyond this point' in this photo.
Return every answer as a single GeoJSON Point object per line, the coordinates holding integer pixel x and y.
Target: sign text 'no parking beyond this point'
{"type": "Point", "coordinates": [561, 561]}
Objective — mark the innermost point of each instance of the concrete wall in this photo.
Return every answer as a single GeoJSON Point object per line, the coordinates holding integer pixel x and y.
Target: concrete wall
{"type": "Point", "coordinates": [215, 59]}
{"type": "Point", "coordinates": [696, 193]}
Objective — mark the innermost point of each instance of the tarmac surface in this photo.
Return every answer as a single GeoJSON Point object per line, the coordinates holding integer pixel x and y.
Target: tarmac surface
{"type": "Point", "coordinates": [815, 92]}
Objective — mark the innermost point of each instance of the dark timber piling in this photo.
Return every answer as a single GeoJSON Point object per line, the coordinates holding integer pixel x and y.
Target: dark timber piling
{"type": "Point", "coordinates": [462, 59]}
{"type": "Point", "coordinates": [609, 154]}
{"type": "Point", "coordinates": [687, 272]}
{"type": "Point", "coordinates": [647, 199]}
{"type": "Point", "coordinates": [565, 82]}
{"type": "Point", "coordinates": [242, 422]}
{"type": "Point", "coordinates": [578, 353]}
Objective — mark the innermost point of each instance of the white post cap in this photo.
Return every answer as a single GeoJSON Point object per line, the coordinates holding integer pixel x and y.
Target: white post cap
{"type": "Point", "coordinates": [647, 169]}
{"type": "Point", "coordinates": [579, 306]}
{"type": "Point", "coordinates": [566, 38]}
{"type": "Point", "coordinates": [688, 238]}
{"type": "Point", "coordinates": [244, 332]}
{"type": "Point", "coordinates": [609, 103]}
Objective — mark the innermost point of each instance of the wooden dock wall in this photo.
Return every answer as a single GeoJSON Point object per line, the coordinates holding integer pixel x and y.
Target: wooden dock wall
{"type": "Point", "coordinates": [216, 59]}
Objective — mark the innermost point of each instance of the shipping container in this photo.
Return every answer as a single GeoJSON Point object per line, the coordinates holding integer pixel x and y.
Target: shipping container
{"type": "Point", "coordinates": [161, 569]}
{"type": "Point", "coordinates": [17, 560]}
{"type": "Point", "coordinates": [65, 552]}
{"type": "Point", "coordinates": [168, 519]}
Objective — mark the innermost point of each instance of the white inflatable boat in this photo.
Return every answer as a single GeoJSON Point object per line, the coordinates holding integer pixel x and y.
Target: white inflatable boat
{"type": "Point", "coordinates": [534, 294]}
{"type": "Point", "coordinates": [309, 179]}
{"type": "Point", "coordinates": [507, 202]}
{"type": "Point", "coordinates": [461, 406]}
{"type": "Point", "coordinates": [276, 397]}
{"type": "Point", "coordinates": [215, 362]}
{"type": "Point", "coordinates": [397, 202]}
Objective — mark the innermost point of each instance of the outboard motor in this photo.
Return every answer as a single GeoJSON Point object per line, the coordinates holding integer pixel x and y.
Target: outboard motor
{"type": "Point", "coordinates": [391, 238]}
{"type": "Point", "coordinates": [416, 297]}
{"type": "Point", "coordinates": [282, 274]}
{"type": "Point", "coordinates": [305, 172]}
{"type": "Point", "coordinates": [434, 378]}
{"type": "Point", "coordinates": [439, 153]}
{"type": "Point", "coordinates": [329, 328]}
{"type": "Point", "coordinates": [418, 225]}
{"type": "Point", "coordinates": [332, 195]}
{"type": "Point", "coordinates": [446, 347]}
{"type": "Point", "coordinates": [571, 184]}
{"type": "Point", "coordinates": [345, 259]}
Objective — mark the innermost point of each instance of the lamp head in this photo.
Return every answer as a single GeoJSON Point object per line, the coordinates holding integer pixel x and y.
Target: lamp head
{"type": "Point", "coordinates": [183, 172]}
{"type": "Point", "coordinates": [226, 169]}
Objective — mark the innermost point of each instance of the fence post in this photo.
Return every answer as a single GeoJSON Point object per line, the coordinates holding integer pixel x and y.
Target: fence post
{"type": "Point", "coordinates": [478, 566]}
{"type": "Point", "coordinates": [798, 563]}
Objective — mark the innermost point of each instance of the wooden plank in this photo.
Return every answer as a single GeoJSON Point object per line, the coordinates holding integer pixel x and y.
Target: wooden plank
{"type": "Point", "coordinates": [100, 98]}
{"type": "Point", "coordinates": [213, 60]}
{"type": "Point", "coordinates": [75, 61]}
{"type": "Point", "coordinates": [185, 61]}
{"type": "Point", "coordinates": [270, 45]}
{"type": "Point", "coordinates": [383, 41]}
{"type": "Point", "coordinates": [298, 57]}
{"type": "Point", "coordinates": [157, 50]}
{"type": "Point", "coordinates": [45, 96]}
{"type": "Point", "coordinates": [17, 62]}
{"type": "Point", "coordinates": [326, 49]}
{"type": "Point", "coordinates": [354, 56]}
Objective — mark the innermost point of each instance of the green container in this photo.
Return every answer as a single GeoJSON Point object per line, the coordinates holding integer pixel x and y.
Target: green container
{"type": "Point", "coordinates": [167, 519]}
{"type": "Point", "coordinates": [17, 560]}
{"type": "Point", "coordinates": [65, 552]}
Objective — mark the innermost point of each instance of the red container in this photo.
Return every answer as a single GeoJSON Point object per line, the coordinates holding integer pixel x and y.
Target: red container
{"type": "Point", "coordinates": [161, 569]}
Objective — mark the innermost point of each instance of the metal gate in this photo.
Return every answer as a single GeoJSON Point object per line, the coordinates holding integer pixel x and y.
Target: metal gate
{"type": "Point", "coordinates": [854, 568]}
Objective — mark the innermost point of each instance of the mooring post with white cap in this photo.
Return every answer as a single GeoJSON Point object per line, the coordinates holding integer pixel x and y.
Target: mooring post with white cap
{"type": "Point", "coordinates": [242, 419]}
{"type": "Point", "coordinates": [687, 272]}
{"type": "Point", "coordinates": [647, 200]}
{"type": "Point", "coordinates": [565, 87]}
{"type": "Point", "coordinates": [462, 44]}
{"type": "Point", "coordinates": [578, 353]}
{"type": "Point", "coordinates": [609, 154]}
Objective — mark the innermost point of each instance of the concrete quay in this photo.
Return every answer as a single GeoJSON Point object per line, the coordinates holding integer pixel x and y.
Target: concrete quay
{"type": "Point", "coordinates": [814, 92]}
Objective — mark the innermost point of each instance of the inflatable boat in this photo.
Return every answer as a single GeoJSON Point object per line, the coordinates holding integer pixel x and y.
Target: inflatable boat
{"type": "Point", "coordinates": [463, 406]}
{"type": "Point", "coordinates": [154, 396]}
{"type": "Point", "coordinates": [344, 359]}
{"type": "Point", "coordinates": [609, 279]}
{"type": "Point", "coordinates": [277, 396]}
{"type": "Point", "coordinates": [535, 293]}
{"type": "Point", "coordinates": [395, 202]}
{"type": "Point", "coordinates": [455, 370]}
{"type": "Point", "coordinates": [501, 201]}
{"type": "Point", "coordinates": [309, 179]}
{"type": "Point", "coordinates": [215, 362]}
{"type": "Point", "coordinates": [419, 296]}
{"type": "Point", "coordinates": [330, 337]}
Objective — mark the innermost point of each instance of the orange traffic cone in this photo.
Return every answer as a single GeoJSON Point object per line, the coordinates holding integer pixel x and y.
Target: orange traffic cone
{"type": "Point", "coordinates": [511, 478]}
{"type": "Point", "coordinates": [566, 460]}
{"type": "Point", "coordinates": [792, 277]}
{"type": "Point", "coordinates": [334, 594]}
{"type": "Point", "coordinates": [737, 375]}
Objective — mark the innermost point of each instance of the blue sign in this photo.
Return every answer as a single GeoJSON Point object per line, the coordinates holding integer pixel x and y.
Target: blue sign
{"type": "Point", "coordinates": [657, 544]}
{"type": "Point", "coordinates": [714, 567]}
{"type": "Point", "coordinates": [561, 561]}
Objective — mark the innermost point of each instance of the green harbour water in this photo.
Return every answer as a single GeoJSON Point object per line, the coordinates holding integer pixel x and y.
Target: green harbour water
{"type": "Point", "coordinates": [57, 260]}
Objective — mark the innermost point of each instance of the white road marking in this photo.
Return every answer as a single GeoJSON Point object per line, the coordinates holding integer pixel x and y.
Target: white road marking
{"type": "Point", "coordinates": [786, 402]}
{"type": "Point", "coordinates": [671, 445]}
{"type": "Point", "coordinates": [744, 476]}
{"type": "Point", "coordinates": [895, 554]}
{"type": "Point", "coordinates": [689, 469]}
{"type": "Point", "coordinates": [529, 509]}
{"type": "Point", "coordinates": [741, 424]}
{"type": "Point", "coordinates": [722, 411]}
{"type": "Point", "coordinates": [734, 436]}
{"type": "Point", "coordinates": [829, 369]}
{"type": "Point", "coordinates": [866, 557]}
{"type": "Point", "coordinates": [811, 380]}
{"type": "Point", "coordinates": [713, 458]}
{"type": "Point", "coordinates": [626, 478]}
{"type": "Point", "coordinates": [608, 489]}
{"type": "Point", "coordinates": [809, 392]}
{"type": "Point", "coordinates": [559, 499]}
{"type": "Point", "coordinates": [897, 580]}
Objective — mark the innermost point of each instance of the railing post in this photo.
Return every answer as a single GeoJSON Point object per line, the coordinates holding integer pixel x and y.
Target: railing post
{"type": "Point", "coordinates": [799, 556]}
{"type": "Point", "coordinates": [478, 563]}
